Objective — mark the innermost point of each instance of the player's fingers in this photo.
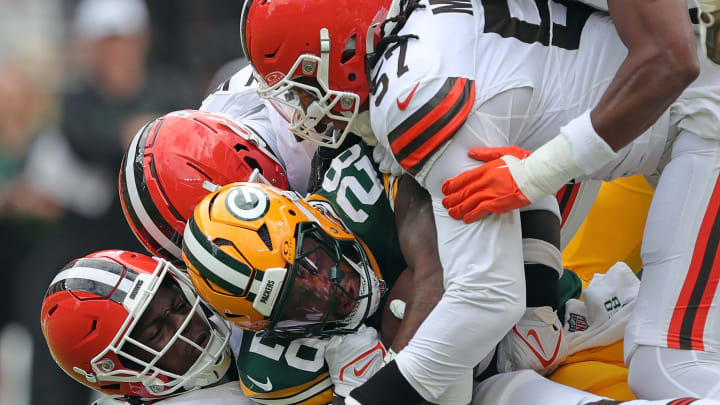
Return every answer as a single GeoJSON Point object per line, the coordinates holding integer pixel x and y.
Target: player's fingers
{"type": "Point", "coordinates": [468, 193]}
{"type": "Point", "coordinates": [397, 308]}
{"type": "Point", "coordinates": [476, 214]}
{"type": "Point", "coordinates": [459, 210]}
{"type": "Point", "coordinates": [486, 154]}
{"type": "Point", "coordinates": [467, 179]}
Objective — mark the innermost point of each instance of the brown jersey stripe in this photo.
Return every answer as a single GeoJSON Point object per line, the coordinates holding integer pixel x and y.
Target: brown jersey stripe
{"type": "Point", "coordinates": [566, 199]}
{"type": "Point", "coordinates": [399, 137]}
{"type": "Point", "coordinates": [418, 158]}
{"type": "Point", "coordinates": [432, 116]}
{"type": "Point", "coordinates": [414, 140]}
{"type": "Point", "coordinates": [690, 313]}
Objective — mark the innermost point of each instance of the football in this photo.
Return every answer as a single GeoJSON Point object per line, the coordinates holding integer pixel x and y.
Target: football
{"type": "Point", "coordinates": [402, 291]}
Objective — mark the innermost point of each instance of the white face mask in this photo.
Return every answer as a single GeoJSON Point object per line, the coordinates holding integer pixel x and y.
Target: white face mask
{"type": "Point", "coordinates": [210, 366]}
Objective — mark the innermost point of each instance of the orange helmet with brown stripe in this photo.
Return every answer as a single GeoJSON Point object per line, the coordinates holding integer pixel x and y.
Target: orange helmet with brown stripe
{"type": "Point", "coordinates": [269, 261]}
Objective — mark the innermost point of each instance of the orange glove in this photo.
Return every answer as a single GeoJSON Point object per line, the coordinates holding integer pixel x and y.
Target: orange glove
{"type": "Point", "coordinates": [487, 189]}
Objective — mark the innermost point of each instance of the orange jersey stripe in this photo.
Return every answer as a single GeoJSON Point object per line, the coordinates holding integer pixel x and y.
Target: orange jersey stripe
{"type": "Point", "coordinates": [690, 314]}
{"type": "Point", "coordinates": [429, 119]}
{"type": "Point", "coordinates": [446, 132]}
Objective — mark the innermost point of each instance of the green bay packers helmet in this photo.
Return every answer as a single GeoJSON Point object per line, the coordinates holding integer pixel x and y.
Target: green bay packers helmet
{"type": "Point", "coordinates": [267, 260]}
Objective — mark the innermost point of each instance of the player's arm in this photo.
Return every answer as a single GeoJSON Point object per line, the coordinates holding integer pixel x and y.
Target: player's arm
{"type": "Point", "coordinates": [660, 64]}
{"type": "Point", "coordinates": [418, 242]}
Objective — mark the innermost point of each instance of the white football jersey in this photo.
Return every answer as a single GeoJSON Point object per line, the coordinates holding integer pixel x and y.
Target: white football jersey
{"type": "Point", "coordinates": [564, 56]}
{"type": "Point", "coordinates": [238, 98]}
{"type": "Point", "coordinates": [226, 394]}
{"type": "Point", "coordinates": [603, 4]}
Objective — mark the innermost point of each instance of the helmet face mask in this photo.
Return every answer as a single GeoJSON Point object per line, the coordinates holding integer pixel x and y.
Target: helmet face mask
{"type": "Point", "coordinates": [127, 343]}
{"type": "Point", "coordinates": [150, 338]}
{"type": "Point", "coordinates": [328, 287]}
{"type": "Point", "coordinates": [308, 120]}
{"type": "Point", "coordinates": [330, 46]}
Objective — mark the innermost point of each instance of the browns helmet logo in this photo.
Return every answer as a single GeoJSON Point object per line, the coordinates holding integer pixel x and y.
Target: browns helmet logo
{"type": "Point", "coordinates": [273, 78]}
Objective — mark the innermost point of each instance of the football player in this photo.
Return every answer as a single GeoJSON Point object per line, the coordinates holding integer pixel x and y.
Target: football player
{"type": "Point", "coordinates": [238, 98]}
{"type": "Point", "coordinates": [175, 161]}
{"type": "Point", "coordinates": [122, 324]}
{"type": "Point", "coordinates": [354, 191]}
{"type": "Point", "coordinates": [533, 67]}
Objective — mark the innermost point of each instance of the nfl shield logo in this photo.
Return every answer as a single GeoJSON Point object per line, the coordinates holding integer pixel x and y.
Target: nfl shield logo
{"type": "Point", "coordinates": [577, 323]}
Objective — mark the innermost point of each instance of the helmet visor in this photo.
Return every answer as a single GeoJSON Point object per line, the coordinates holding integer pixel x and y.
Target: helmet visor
{"type": "Point", "coordinates": [325, 284]}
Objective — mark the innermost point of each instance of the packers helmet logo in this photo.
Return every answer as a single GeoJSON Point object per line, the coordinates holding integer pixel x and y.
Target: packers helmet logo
{"type": "Point", "coordinates": [247, 203]}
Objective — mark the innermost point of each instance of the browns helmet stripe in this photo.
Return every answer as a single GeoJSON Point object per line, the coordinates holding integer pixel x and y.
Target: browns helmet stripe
{"type": "Point", "coordinates": [100, 277]}
{"type": "Point", "coordinates": [150, 224]}
{"type": "Point", "coordinates": [243, 27]}
{"type": "Point", "coordinates": [218, 267]}
{"type": "Point", "coordinates": [687, 324]}
{"type": "Point", "coordinates": [416, 138]}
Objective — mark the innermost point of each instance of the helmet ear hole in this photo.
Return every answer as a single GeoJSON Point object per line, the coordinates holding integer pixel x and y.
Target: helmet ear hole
{"type": "Point", "coordinates": [239, 147]}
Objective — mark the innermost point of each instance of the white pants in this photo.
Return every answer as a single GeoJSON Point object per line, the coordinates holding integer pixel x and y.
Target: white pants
{"type": "Point", "coordinates": [483, 272]}
{"type": "Point", "coordinates": [678, 308]}
{"type": "Point", "coordinates": [529, 388]}
{"type": "Point", "coordinates": [658, 372]}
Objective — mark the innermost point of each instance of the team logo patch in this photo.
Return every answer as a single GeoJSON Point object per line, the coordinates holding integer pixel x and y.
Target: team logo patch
{"type": "Point", "coordinates": [247, 203]}
{"type": "Point", "coordinates": [577, 323]}
{"type": "Point", "coordinates": [272, 78]}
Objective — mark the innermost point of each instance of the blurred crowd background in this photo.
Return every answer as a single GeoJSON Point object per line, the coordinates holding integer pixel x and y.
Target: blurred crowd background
{"type": "Point", "coordinates": [78, 78]}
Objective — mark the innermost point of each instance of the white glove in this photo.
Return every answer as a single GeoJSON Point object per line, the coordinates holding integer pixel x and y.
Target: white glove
{"type": "Point", "coordinates": [353, 359]}
{"type": "Point", "coordinates": [709, 28]}
{"type": "Point", "coordinates": [535, 343]}
{"type": "Point", "coordinates": [386, 161]}
{"type": "Point", "coordinates": [600, 318]}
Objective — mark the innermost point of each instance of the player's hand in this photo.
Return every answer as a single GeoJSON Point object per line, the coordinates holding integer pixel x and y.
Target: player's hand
{"type": "Point", "coordinates": [488, 189]}
{"type": "Point", "coordinates": [352, 359]}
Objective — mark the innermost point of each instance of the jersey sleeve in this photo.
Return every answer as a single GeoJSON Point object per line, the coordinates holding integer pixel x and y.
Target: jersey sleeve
{"type": "Point", "coordinates": [390, 183]}
{"type": "Point", "coordinates": [422, 116]}
{"type": "Point", "coordinates": [424, 85]}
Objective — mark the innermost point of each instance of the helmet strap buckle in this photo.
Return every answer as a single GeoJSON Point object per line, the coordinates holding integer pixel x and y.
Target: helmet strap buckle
{"type": "Point", "coordinates": [91, 377]}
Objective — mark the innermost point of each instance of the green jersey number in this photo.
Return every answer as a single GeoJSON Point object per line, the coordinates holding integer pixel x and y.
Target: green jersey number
{"type": "Point", "coordinates": [304, 354]}
{"type": "Point", "coordinates": [352, 175]}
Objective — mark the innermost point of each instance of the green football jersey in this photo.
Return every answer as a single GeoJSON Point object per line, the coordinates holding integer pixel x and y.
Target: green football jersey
{"type": "Point", "coordinates": [284, 371]}
{"type": "Point", "coordinates": [354, 187]}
